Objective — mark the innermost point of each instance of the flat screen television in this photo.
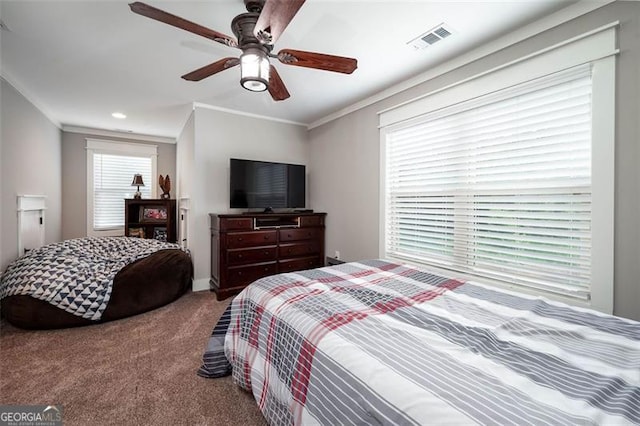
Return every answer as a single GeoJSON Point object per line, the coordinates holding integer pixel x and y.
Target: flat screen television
{"type": "Point", "coordinates": [262, 184]}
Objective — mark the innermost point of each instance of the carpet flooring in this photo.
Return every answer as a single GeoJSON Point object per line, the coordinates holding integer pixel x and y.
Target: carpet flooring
{"type": "Point", "coordinates": [136, 371]}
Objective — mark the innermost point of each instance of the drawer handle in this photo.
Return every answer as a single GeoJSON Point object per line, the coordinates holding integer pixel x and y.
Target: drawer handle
{"type": "Point", "coordinates": [239, 256]}
{"type": "Point", "coordinates": [266, 253]}
{"type": "Point", "coordinates": [239, 272]}
{"type": "Point", "coordinates": [266, 269]}
{"type": "Point", "coordinates": [288, 250]}
{"type": "Point", "coordinates": [266, 237]}
{"type": "Point", "coordinates": [239, 238]}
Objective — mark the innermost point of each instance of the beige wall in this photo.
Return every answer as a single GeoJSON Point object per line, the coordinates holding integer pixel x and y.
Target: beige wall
{"type": "Point", "coordinates": [218, 137]}
{"type": "Point", "coordinates": [74, 178]}
{"type": "Point", "coordinates": [30, 165]}
{"type": "Point", "coordinates": [345, 153]}
{"type": "Point", "coordinates": [185, 157]}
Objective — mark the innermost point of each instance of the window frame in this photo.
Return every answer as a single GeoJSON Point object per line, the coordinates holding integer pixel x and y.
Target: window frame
{"type": "Point", "coordinates": [597, 48]}
{"type": "Point", "coordinates": [101, 146]}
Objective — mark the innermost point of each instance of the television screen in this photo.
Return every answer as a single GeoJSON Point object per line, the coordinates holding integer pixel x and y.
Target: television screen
{"type": "Point", "coordinates": [261, 184]}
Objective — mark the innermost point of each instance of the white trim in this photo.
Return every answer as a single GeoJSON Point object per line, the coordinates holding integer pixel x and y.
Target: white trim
{"type": "Point", "coordinates": [184, 204]}
{"type": "Point", "coordinates": [119, 148]}
{"type": "Point", "coordinates": [200, 284]}
{"type": "Point", "coordinates": [382, 197]}
{"type": "Point", "coordinates": [116, 134]}
{"type": "Point", "coordinates": [603, 183]}
{"type": "Point", "coordinates": [246, 114]}
{"type": "Point", "coordinates": [26, 204]}
{"type": "Point", "coordinates": [585, 48]}
{"type": "Point", "coordinates": [31, 202]}
{"type": "Point", "coordinates": [597, 47]}
{"type": "Point", "coordinates": [125, 148]}
{"type": "Point", "coordinates": [564, 15]}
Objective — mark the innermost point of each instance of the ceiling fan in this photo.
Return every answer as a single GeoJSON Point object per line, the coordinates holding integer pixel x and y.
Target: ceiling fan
{"type": "Point", "coordinates": [256, 31]}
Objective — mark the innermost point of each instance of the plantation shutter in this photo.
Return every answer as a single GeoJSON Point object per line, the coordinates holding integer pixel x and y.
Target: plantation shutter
{"type": "Point", "coordinates": [112, 177]}
{"type": "Point", "coordinates": [498, 187]}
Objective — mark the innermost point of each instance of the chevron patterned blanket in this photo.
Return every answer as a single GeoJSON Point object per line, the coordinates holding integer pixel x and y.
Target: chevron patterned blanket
{"type": "Point", "coordinates": [76, 275]}
{"type": "Point", "coordinates": [382, 343]}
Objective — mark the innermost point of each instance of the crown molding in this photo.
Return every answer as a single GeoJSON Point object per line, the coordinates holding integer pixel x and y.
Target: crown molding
{"type": "Point", "coordinates": [246, 114]}
{"type": "Point", "coordinates": [560, 17]}
{"type": "Point", "coordinates": [115, 134]}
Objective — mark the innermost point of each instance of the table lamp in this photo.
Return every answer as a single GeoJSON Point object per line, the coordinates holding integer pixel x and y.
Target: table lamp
{"type": "Point", "coordinates": [137, 181]}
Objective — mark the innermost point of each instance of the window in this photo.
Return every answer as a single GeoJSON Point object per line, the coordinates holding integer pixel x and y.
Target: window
{"type": "Point", "coordinates": [513, 187]}
{"type": "Point", "coordinates": [110, 170]}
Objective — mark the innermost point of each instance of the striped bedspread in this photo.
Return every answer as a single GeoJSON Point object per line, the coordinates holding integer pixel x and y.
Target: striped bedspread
{"type": "Point", "coordinates": [382, 343]}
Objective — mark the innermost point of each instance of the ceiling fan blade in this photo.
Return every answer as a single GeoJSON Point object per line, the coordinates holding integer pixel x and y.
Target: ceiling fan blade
{"type": "Point", "coordinates": [209, 70]}
{"type": "Point", "coordinates": [162, 16]}
{"type": "Point", "coordinates": [277, 88]}
{"type": "Point", "coordinates": [320, 61]}
{"type": "Point", "coordinates": [274, 18]}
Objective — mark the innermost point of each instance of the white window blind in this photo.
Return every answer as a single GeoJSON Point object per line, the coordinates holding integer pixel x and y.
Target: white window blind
{"type": "Point", "coordinates": [498, 187]}
{"type": "Point", "coordinates": [110, 169]}
{"type": "Point", "coordinates": [112, 177]}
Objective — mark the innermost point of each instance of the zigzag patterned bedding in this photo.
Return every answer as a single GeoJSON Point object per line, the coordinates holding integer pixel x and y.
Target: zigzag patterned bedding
{"type": "Point", "coordinates": [76, 275]}
{"type": "Point", "coordinates": [381, 343]}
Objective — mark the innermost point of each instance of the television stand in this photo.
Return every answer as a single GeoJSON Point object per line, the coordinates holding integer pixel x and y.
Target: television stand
{"type": "Point", "coordinates": [245, 247]}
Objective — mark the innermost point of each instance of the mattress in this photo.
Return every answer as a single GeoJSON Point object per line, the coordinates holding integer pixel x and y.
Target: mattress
{"type": "Point", "coordinates": [377, 342]}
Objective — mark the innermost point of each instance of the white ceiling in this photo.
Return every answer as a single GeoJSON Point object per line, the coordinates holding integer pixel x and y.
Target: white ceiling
{"type": "Point", "coordinates": [79, 61]}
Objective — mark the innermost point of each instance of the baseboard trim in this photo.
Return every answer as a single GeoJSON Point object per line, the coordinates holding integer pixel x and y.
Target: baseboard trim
{"type": "Point", "coordinates": [200, 284]}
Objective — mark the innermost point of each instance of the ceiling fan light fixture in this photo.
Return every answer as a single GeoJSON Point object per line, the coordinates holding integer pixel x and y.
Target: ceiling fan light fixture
{"type": "Point", "coordinates": [254, 70]}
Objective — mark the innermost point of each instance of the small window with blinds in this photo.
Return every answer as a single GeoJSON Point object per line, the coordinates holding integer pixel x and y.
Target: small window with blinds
{"type": "Point", "coordinates": [498, 187]}
{"type": "Point", "coordinates": [112, 177]}
{"type": "Point", "coordinates": [111, 166]}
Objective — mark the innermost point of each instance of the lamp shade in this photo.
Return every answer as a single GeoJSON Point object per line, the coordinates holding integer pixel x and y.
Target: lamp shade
{"type": "Point", "coordinates": [254, 70]}
{"type": "Point", "coordinates": [137, 180]}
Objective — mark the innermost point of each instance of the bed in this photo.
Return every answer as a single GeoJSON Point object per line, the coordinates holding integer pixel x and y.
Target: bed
{"type": "Point", "coordinates": [377, 342]}
{"type": "Point", "coordinates": [90, 280]}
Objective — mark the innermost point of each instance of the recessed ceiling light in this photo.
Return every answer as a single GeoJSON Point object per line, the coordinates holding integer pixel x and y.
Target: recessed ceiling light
{"type": "Point", "coordinates": [118, 115]}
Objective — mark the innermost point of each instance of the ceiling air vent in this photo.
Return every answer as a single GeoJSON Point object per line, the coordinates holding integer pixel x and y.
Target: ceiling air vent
{"type": "Point", "coordinates": [431, 37]}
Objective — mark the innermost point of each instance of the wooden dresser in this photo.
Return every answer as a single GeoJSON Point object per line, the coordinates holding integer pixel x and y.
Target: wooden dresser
{"type": "Point", "coordinates": [245, 247]}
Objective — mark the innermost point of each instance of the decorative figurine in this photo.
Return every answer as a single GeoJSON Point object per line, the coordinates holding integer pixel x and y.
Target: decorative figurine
{"type": "Point", "coordinates": [165, 185]}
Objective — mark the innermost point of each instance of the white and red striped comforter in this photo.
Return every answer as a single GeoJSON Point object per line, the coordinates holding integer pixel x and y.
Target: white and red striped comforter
{"type": "Point", "coordinates": [381, 343]}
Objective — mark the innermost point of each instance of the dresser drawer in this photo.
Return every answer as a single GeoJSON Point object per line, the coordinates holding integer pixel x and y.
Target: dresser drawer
{"type": "Point", "coordinates": [299, 264]}
{"type": "Point", "coordinates": [251, 239]}
{"type": "Point", "coordinates": [298, 249]}
{"type": "Point", "coordinates": [245, 275]}
{"type": "Point", "coordinates": [311, 220]}
{"type": "Point", "coordinates": [251, 255]}
{"type": "Point", "coordinates": [299, 234]}
{"type": "Point", "coordinates": [236, 224]}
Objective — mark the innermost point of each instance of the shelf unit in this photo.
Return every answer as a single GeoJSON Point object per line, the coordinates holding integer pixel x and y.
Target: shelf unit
{"type": "Point", "coordinates": [150, 218]}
